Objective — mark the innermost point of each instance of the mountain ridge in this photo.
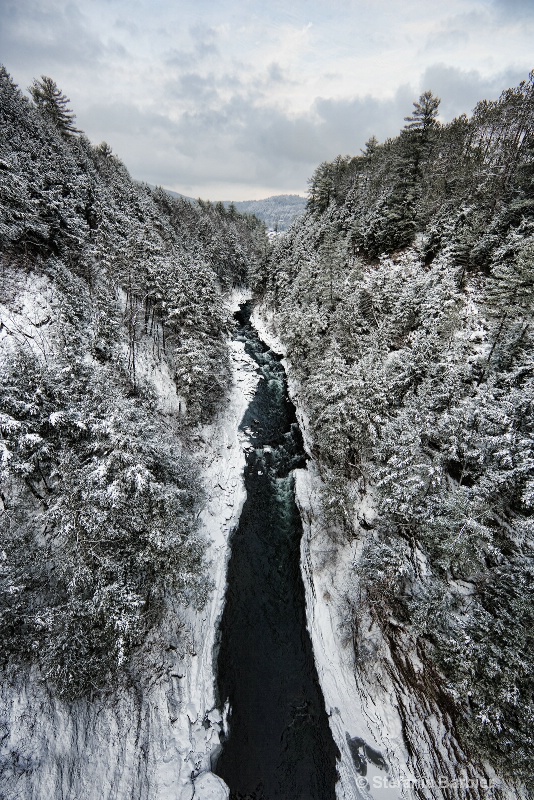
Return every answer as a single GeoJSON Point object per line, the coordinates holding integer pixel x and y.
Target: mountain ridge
{"type": "Point", "coordinates": [277, 211]}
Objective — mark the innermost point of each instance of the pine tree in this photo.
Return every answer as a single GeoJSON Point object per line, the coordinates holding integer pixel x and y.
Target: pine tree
{"type": "Point", "coordinates": [424, 115]}
{"type": "Point", "coordinates": [371, 146]}
{"type": "Point", "coordinates": [51, 101]}
{"type": "Point", "coordinates": [104, 150]}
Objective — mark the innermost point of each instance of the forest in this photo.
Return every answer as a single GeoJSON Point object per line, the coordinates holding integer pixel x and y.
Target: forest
{"type": "Point", "coordinates": [100, 493]}
{"type": "Point", "coordinates": [405, 299]}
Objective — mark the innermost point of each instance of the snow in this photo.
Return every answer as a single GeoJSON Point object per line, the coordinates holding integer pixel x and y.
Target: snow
{"type": "Point", "coordinates": [210, 787]}
{"type": "Point", "coordinates": [223, 461]}
{"type": "Point", "coordinates": [152, 369]}
{"type": "Point", "coordinates": [174, 720]}
{"type": "Point", "coordinates": [366, 699]}
{"type": "Point", "coordinates": [27, 321]}
{"type": "Point", "coordinates": [156, 373]}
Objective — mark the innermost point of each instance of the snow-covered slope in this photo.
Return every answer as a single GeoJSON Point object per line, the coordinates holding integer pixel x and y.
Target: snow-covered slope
{"type": "Point", "coordinates": [153, 740]}
{"type": "Point", "coordinates": [276, 212]}
{"type": "Point", "coordinates": [395, 741]}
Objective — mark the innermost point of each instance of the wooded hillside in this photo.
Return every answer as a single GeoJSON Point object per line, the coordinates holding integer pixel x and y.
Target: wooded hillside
{"type": "Point", "coordinates": [405, 299]}
{"type": "Point", "coordinates": [113, 347]}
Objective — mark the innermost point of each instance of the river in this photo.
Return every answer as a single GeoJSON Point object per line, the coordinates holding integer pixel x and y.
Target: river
{"type": "Point", "coordinates": [279, 745]}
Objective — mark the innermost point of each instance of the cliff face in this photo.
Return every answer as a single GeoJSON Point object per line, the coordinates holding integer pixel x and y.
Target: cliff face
{"type": "Point", "coordinates": [396, 737]}
{"type": "Point", "coordinates": [154, 734]}
{"type": "Point", "coordinates": [146, 742]}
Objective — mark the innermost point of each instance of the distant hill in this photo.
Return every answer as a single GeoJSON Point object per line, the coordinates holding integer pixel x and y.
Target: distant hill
{"type": "Point", "coordinates": [277, 212]}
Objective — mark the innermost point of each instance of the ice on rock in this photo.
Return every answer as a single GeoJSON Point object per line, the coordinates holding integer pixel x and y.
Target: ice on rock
{"type": "Point", "coordinates": [215, 716]}
{"type": "Point", "coordinates": [210, 787]}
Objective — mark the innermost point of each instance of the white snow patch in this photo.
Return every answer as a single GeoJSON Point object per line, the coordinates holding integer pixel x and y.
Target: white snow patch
{"type": "Point", "coordinates": [154, 370]}
{"type": "Point", "coordinates": [28, 318]}
{"type": "Point", "coordinates": [210, 787]}
{"type": "Point", "coordinates": [151, 366]}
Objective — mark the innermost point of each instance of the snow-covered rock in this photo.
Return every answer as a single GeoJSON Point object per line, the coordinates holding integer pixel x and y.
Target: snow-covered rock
{"type": "Point", "coordinates": [210, 787]}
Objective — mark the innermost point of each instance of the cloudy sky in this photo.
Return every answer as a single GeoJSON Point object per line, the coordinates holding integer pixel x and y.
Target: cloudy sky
{"type": "Point", "coordinates": [241, 99]}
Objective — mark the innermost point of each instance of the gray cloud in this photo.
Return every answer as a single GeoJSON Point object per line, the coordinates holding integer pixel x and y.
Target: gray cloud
{"type": "Point", "coordinates": [202, 32]}
{"type": "Point", "coordinates": [515, 8]}
{"type": "Point", "coordinates": [276, 74]}
{"type": "Point", "coordinates": [127, 119]}
{"type": "Point", "coordinates": [446, 39]}
{"type": "Point", "coordinates": [277, 140]}
{"type": "Point", "coordinates": [460, 90]}
{"type": "Point", "coordinates": [253, 144]}
{"type": "Point", "coordinates": [33, 34]}
{"type": "Point", "coordinates": [204, 45]}
{"type": "Point", "coordinates": [200, 88]}
{"type": "Point", "coordinates": [456, 32]}
{"type": "Point", "coordinates": [258, 144]}
{"type": "Point", "coordinates": [347, 124]}
{"type": "Point", "coordinates": [238, 142]}
{"type": "Point", "coordinates": [127, 25]}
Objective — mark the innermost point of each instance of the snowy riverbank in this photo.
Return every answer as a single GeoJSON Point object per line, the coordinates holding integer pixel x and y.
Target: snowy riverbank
{"type": "Point", "coordinates": [223, 462]}
{"type": "Point", "coordinates": [324, 611]}
{"type": "Point", "coordinates": [372, 708]}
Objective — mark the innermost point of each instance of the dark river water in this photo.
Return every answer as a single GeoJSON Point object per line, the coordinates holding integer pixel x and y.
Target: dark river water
{"type": "Point", "coordinates": [279, 744]}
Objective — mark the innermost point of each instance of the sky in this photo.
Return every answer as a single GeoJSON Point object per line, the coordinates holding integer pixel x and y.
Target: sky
{"type": "Point", "coordinates": [242, 99]}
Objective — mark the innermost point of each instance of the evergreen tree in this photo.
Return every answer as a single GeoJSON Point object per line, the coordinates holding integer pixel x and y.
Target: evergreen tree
{"type": "Point", "coordinates": [424, 115]}
{"type": "Point", "coordinates": [371, 146]}
{"type": "Point", "coordinates": [104, 150]}
{"type": "Point", "coordinates": [54, 105]}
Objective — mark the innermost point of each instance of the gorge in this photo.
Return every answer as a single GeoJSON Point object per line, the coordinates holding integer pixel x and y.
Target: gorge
{"type": "Point", "coordinates": [288, 557]}
{"type": "Point", "coordinates": [279, 743]}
